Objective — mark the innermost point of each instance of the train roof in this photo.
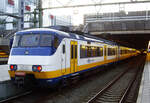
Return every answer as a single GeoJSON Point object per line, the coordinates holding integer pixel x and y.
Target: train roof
{"type": "Point", "coordinates": [62, 34]}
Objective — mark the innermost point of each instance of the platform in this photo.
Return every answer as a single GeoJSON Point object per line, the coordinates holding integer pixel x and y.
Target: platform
{"type": "Point", "coordinates": [144, 91]}
{"type": "Point", "coordinates": [4, 76]}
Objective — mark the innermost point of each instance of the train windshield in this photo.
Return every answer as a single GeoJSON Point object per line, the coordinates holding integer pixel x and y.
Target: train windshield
{"type": "Point", "coordinates": [32, 40]}
{"type": "Point", "coordinates": [46, 40]}
{"type": "Point", "coordinates": [29, 40]}
{"type": "Point", "coordinates": [16, 41]}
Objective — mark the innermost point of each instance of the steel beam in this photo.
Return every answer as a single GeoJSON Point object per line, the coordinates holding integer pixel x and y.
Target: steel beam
{"type": "Point", "coordinates": [98, 4]}
{"type": "Point", "coordinates": [140, 32]}
{"type": "Point", "coordinates": [9, 14]}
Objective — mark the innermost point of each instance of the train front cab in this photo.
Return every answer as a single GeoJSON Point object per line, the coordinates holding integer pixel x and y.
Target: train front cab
{"type": "Point", "coordinates": [25, 56]}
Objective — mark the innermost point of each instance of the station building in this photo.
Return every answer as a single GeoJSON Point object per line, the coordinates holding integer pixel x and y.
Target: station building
{"type": "Point", "coordinates": [11, 6]}
{"type": "Point", "coordinates": [53, 20]}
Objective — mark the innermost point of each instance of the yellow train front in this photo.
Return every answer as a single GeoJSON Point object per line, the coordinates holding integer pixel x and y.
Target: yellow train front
{"type": "Point", "coordinates": [50, 57]}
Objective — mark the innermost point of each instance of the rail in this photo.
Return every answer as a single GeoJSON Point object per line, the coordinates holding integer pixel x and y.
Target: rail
{"type": "Point", "coordinates": [118, 88]}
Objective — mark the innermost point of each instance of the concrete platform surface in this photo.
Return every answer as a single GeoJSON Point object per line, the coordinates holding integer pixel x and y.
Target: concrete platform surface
{"type": "Point", "coordinates": [144, 91]}
{"type": "Point", "coordinates": [4, 73]}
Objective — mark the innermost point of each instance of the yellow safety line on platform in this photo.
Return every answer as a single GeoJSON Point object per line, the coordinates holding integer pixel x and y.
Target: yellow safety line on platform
{"type": "Point", "coordinates": [148, 57]}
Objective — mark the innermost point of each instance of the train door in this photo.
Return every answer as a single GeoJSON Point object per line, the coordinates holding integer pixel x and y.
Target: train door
{"type": "Point", "coordinates": [105, 52]}
{"type": "Point", "coordinates": [63, 57]}
{"type": "Point", "coordinates": [73, 56]}
{"type": "Point", "coordinates": [117, 52]}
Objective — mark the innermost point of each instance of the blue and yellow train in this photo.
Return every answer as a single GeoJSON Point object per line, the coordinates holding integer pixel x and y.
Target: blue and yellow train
{"type": "Point", "coordinates": [52, 56]}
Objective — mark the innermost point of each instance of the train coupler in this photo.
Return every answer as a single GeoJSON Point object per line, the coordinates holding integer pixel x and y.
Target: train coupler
{"type": "Point", "coordinates": [19, 81]}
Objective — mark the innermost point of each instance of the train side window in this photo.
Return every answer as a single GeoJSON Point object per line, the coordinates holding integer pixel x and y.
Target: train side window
{"type": "Point", "coordinates": [120, 51]}
{"type": "Point", "coordinates": [101, 51]}
{"type": "Point", "coordinates": [109, 51]}
{"type": "Point", "coordinates": [98, 51]}
{"type": "Point", "coordinates": [63, 49]}
{"type": "Point", "coordinates": [94, 51]}
{"type": "Point", "coordinates": [89, 51]}
{"type": "Point", "coordinates": [113, 51]}
{"type": "Point", "coordinates": [82, 51]}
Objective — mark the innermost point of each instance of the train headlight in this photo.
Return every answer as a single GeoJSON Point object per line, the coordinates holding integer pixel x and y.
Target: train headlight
{"type": "Point", "coordinates": [13, 67]}
{"type": "Point", "coordinates": [36, 68]}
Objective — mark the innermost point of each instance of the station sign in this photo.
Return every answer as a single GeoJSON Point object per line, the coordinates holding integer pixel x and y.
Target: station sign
{"type": "Point", "coordinates": [11, 2]}
{"type": "Point", "coordinates": [28, 8]}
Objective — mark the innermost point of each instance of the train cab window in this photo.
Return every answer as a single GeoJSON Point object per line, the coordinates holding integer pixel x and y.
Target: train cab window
{"type": "Point", "coordinates": [56, 42]}
{"type": "Point", "coordinates": [63, 49]}
{"type": "Point", "coordinates": [46, 40]}
{"type": "Point", "coordinates": [16, 41]}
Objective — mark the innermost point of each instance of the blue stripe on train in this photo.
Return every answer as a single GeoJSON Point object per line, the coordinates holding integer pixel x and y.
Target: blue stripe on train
{"type": "Point", "coordinates": [37, 51]}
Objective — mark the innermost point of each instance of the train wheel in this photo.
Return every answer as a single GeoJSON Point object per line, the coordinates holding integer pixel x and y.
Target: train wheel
{"type": "Point", "coordinates": [65, 82]}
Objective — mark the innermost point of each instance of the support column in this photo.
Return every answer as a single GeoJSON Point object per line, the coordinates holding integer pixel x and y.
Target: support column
{"type": "Point", "coordinates": [40, 13]}
{"type": "Point", "coordinates": [21, 14]}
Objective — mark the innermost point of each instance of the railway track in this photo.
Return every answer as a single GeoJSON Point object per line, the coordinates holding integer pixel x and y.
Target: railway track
{"type": "Point", "coordinates": [117, 90]}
